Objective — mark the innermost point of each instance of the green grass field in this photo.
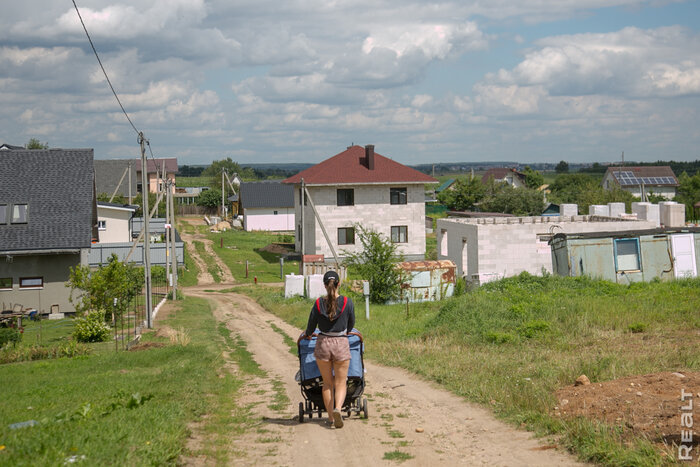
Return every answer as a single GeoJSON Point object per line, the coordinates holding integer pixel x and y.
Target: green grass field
{"type": "Point", "coordinates": [510, 344]}
{"type": "Point", "coordinates": [122, 408]}
{"type": "Point", "coordinates": [240, 246]}
{"type": "Point", "coordinates": [194, 181]}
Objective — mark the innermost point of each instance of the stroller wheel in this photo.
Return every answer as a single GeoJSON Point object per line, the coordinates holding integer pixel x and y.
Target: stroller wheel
{"type": "Point", "coordinates": [364, 408]}
{"type": "Point", "coordinates": [301, 412]}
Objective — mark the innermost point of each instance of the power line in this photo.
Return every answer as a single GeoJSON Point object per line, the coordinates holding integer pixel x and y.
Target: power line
{"type": "Point", "coordinates": [140, 135]}
{"type": "Point", "coordinates": [103, 68]}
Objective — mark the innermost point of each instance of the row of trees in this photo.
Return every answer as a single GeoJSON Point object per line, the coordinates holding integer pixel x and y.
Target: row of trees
{"type": "Point", "coordinates": [471, 194]}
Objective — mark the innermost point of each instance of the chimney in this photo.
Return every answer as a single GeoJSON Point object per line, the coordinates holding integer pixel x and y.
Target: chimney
{"type": "Point", "coordinates": [369, 156]}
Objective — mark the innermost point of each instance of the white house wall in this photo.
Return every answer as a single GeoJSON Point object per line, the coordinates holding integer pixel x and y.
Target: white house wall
{"type": "Point", "coordinates": [372, 209]}
{"type": "Point", "coordinates": [506, 246]}
{"type": "Point", "coordinates": [266, 219]}
{"type": "Point", "coordinates": [117, 225]}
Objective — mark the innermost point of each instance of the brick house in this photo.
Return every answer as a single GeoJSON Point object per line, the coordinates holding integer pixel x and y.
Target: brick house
{"type": "Point", "coordinates": [359, 186]}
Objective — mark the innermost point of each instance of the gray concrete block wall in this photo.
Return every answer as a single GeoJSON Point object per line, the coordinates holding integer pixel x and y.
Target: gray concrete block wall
{"type": "Point", "coordinates": [568, 209]}
{"type": "Point", "coordinates": [598, 210]}
{"type": "Point", "coordinates": [500, 247]}
{"type": "Point", "coordinates": [616, 209]}
{"type": "Point", "coordinates": [672, 214]}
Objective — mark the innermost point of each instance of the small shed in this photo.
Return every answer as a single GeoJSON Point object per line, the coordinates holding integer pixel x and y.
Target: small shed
{"type": "Point", "coordinates": [626, 257]}
{"type": "Point", "coordinates": [427, 280]}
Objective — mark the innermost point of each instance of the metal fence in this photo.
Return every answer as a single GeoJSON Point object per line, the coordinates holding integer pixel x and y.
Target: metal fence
{"type": "Point", "coordinates": [100, 253]}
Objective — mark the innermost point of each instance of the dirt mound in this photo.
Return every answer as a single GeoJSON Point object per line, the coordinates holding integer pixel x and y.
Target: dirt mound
{"type": "Point", "coordinates": [278, 248]}
{"type": "Point", "coordinates": [647, 405]}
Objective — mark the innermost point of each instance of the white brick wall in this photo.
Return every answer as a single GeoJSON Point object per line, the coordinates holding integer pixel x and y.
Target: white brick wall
{"type": "Point", "coordinates": [372, 209]}
{"type": "Point", "coordinates": [507, 246]}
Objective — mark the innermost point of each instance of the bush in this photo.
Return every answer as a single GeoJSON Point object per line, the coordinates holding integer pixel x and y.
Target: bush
{"type": "Point", "coordinates": [9, 336]}
{"type": "Point", "coordinates": [91, 327]}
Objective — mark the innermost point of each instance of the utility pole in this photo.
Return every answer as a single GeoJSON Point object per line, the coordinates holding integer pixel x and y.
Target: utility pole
{"type": "Point", "coordinates": [167, 234]}
{"type": "Point", "coordinates": [173, 253]}
{"type": "Point", "coordinates": [223, 194]}
{"type": "Point", "coordinates": [131, 197]}
{"type": "Point", "coordinates": [146, 232]}
{"type": "Point", "coordinates": [303, 227]}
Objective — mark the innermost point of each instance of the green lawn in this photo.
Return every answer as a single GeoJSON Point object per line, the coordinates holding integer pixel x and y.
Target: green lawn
{"type": "Point", "coordinates": [121, 408]}
{"type": "Point", "coordinates": [194, 181]}
{"type": "Point", "coordinates": [240, 246]}
{"type": "Point", "coordinates": [510, 344]}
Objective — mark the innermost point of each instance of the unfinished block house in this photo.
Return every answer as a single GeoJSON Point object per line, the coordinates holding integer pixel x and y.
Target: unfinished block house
{"type": "Point", "coordinates": [359, 186]}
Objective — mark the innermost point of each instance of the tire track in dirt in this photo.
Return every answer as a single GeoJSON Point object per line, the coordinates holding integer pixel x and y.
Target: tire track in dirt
{"type": "Point", "coordinates": [454, 431]}
{"type": "Point", "coordinates": [204, 276]}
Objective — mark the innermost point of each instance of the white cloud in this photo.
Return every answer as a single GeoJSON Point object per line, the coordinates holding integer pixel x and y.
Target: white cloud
{"type": "Point", "coordinates": [632, 61]}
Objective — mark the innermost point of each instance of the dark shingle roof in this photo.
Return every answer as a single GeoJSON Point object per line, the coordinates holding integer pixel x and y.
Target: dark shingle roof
{"type": "Point", "coordinates": [499, 173]}
{"type": "Point", "coordinates": [58, 187]}
{"type": "Point", "coordinates": [170, 164]}
{"type": "Point", "coordinates": [650, 175]}
{"type": "Point", "coordinates": [108, 173]}
{"type": "Point", "coordinates": [266, 195]}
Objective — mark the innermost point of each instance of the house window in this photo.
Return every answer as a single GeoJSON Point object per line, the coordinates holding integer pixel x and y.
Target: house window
{"type": "Point", "coordinates": [346, 236]}
{"type": "Point", "coordinates": [5, 283]}
{"type": "Point", "coordinates": [31, 282]}
{"type": "Point", "coordinates": [102, 225]}
{"type": "Point", "coordinates": [274, 212]}
{"type": "Point", "coordinates": [346, 197]}
{"type": "Point", "coordinates": [627, 256]}
{"type": "Point", "coordinates": [3, 213]}
{"type": "Point", "coordinates": [399, 234]}
{"type": "Point", "coordinates": [19, 214]}
{"type": "Point", "coordinates": [398, 195]}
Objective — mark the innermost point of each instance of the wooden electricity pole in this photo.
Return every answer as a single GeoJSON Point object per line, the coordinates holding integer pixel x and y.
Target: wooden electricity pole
{"type": "Point", "coordinates": [146, 232]}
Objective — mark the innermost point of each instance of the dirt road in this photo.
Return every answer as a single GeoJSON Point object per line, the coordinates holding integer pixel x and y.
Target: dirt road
{"type": "Point", "coordinates": [204, 276]}
{"type": "Point", "coordinates": [453, 431]}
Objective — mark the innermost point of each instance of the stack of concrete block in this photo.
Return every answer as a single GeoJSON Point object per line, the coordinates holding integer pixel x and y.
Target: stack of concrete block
{"type": "Point", "coordinates": [314, 286]}
{"type": "Point", "coordinates": [616, 209]}
{"type": "Point", "coordinates": [293, 285]}
{"type": "Point", "coordinates": [672, 214]}
{"type": "Point", "coordinates": [598, 210]}
{"type": "Point", "coordinates": [646, 212]}
{"type": "Point", "coordinates": [568, 210]}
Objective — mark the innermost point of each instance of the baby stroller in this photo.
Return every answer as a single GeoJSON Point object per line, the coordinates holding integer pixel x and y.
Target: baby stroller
{"type": "Point", "coordinates": [309, 378]}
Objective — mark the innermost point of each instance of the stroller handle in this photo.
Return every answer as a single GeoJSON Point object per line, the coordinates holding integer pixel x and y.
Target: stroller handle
{"type": "Point", "coordinates": [351, 333]}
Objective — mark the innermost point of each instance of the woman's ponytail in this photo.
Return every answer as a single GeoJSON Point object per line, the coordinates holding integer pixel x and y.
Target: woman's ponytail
{"type": "Point", "coordinates": [331, 302]}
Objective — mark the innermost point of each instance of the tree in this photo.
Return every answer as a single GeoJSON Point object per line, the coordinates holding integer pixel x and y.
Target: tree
{"type": "Point", "coordinates": [376, 263]}
{"type": "Point", "coordinates": [464, 195]}
{"type": "Point", "coordinates": [533, 178]}
{"type": "Point", "coordinates": [99, 288]}
{"type": "Point", "coordinates": [562, 167]}
{"type": "Point", "coordinates": [36, 144]}
{"type": "Point", "coordinates": [688, 192]}
{"type": "Point", "coordinates": [210, 198]}
{"type": "Point", "coordinates": [504, 198]}
{"type": "Point", "coordinates": [151, 201]}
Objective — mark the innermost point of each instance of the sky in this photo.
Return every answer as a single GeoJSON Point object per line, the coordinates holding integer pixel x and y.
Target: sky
{"type": "Point", "coordinates": [266, 81]}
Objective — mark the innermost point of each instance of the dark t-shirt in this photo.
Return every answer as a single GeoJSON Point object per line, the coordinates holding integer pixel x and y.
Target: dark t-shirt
{"type": "Point", "coordinates": [344, 317]}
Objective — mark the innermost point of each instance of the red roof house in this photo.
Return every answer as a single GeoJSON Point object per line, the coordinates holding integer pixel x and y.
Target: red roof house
{"type": "Point", "coordinates": [360, 187]}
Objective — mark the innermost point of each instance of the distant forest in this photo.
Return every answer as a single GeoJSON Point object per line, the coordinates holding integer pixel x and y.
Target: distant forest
{"type": "Point", "coordinates": [262, 171]}
{"type": "Point", "coordinates": [690, 167]}
{"type": "Point", "coordinates": [280, 171]}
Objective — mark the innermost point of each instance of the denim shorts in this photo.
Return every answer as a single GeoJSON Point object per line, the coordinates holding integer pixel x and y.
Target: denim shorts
{"type": "Point", "coordinates": [334, 349]}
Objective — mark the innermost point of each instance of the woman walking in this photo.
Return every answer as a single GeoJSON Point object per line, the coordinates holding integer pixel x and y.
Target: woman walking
{"type": "Point", "coordinates": [334, 315]}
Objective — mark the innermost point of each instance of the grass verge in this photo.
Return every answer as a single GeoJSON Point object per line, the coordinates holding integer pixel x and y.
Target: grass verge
{"type": "Point", "coordinates": [123, 408]}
